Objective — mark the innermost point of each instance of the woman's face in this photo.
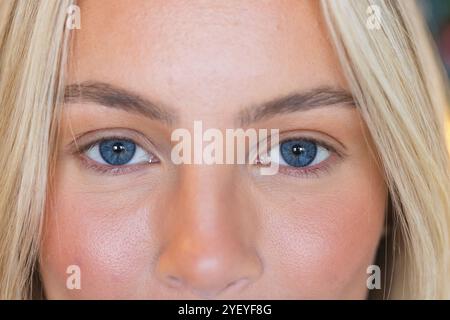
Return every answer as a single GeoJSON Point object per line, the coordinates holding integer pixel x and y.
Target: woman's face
{"type": "Point", "coordinates": [140, 226]}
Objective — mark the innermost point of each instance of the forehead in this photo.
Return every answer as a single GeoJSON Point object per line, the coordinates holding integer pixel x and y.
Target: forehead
{"type": "Point", "coordinates": [205, 55]}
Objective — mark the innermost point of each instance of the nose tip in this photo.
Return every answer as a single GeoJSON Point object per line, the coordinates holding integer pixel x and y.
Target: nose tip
{"type": "Point", "coordinates": [207, 245]}
{"type": "Point", "coordinates": [210, 274]}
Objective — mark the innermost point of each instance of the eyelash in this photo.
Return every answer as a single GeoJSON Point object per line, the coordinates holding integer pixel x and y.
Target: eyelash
{"type": "Point", "coordinates": [107, 168]}
{"type": "Point", "coordinates": [317, 170]}
{"type": "Point", "coordinates": [314, 171]}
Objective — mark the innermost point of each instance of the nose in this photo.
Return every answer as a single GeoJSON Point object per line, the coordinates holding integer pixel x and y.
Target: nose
{"type": "Point", "coordinates": [209, 247]}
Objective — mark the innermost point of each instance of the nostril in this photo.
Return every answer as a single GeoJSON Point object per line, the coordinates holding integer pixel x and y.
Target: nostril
{"type": "Point", "coordinates": [238, 284]}
{"type": "Point", "coordinates": [235, 286]}
{"type": "Point", "coordinates": [174, 281]}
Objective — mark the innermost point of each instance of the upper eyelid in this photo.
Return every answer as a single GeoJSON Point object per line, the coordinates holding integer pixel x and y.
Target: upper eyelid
{"type": "Point", "coordinates": [78, 145]}
{"type": "Point", "coordinates": [305, 134]}
{"type": "Point", "coordinates": [340, 150]}
{"type": "Point", "coordinates": [90, 145]}
{"type": "Point", "coordinates": [315, 140]}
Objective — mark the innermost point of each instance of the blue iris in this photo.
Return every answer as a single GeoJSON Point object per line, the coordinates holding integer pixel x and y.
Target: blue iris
{"type": "Point", "coordinates": [117, 152]}
{"type": "Point", "coordinates": [298, 153]}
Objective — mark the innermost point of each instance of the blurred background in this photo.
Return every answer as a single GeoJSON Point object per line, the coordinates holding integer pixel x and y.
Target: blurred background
{"type": "Point", "coordinates": [437, 13]}
{"type": "Point", "coordinates": [438, 16]}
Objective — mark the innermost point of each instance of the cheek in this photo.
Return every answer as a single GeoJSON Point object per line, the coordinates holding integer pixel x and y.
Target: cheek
{"type": "Point", "coordinates": [109, 239]}
{"type": "Point", "coordinates": [324, 239]}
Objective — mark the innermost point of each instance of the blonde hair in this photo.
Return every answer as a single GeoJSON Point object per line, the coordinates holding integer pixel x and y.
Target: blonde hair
{"type": "Point", "coordinates": [394, 77]}
{"type": "Point", "coordinates": [401, 95]}
{"type": "Point", "coordinates": [33, 44]}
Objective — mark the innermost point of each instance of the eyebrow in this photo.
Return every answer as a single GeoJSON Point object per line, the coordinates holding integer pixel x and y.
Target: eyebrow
{"type": "Point", "coordinates": [110, 96]}
{"type": "Point", "coordinates": [298, 101]}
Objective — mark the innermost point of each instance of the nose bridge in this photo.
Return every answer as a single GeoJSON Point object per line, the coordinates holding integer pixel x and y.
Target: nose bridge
{"type": "Point", "coordinates": [203, 190]}
{"type": "Point", "coordinates": [208, 250]}
{"type": "Point", "coordinates": [202, 208]}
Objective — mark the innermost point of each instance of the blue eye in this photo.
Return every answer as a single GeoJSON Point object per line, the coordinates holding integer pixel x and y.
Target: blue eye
{"type": "Point", "coordinates": [117, 152]}
{"type": "Point", "coordinates": [299, 153]}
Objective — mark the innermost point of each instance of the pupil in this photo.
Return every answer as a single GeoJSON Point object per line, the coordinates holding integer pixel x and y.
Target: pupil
{"type": "Point", "coordinates": [118, 147]}
{"type": "Point", "coordinates": [298, 150]}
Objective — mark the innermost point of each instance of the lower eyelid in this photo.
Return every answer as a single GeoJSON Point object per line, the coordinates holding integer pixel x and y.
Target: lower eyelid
{"type": "Point", "coordinates": [110, 169]}
{"type": "Point", "coordinates": [326, 166]}
{"type": "Point", "coordinates": [305, 173]}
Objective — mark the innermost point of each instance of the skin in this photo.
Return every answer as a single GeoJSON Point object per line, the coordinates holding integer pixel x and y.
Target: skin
{"type": "Point", "coordinates": [164, 231]}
